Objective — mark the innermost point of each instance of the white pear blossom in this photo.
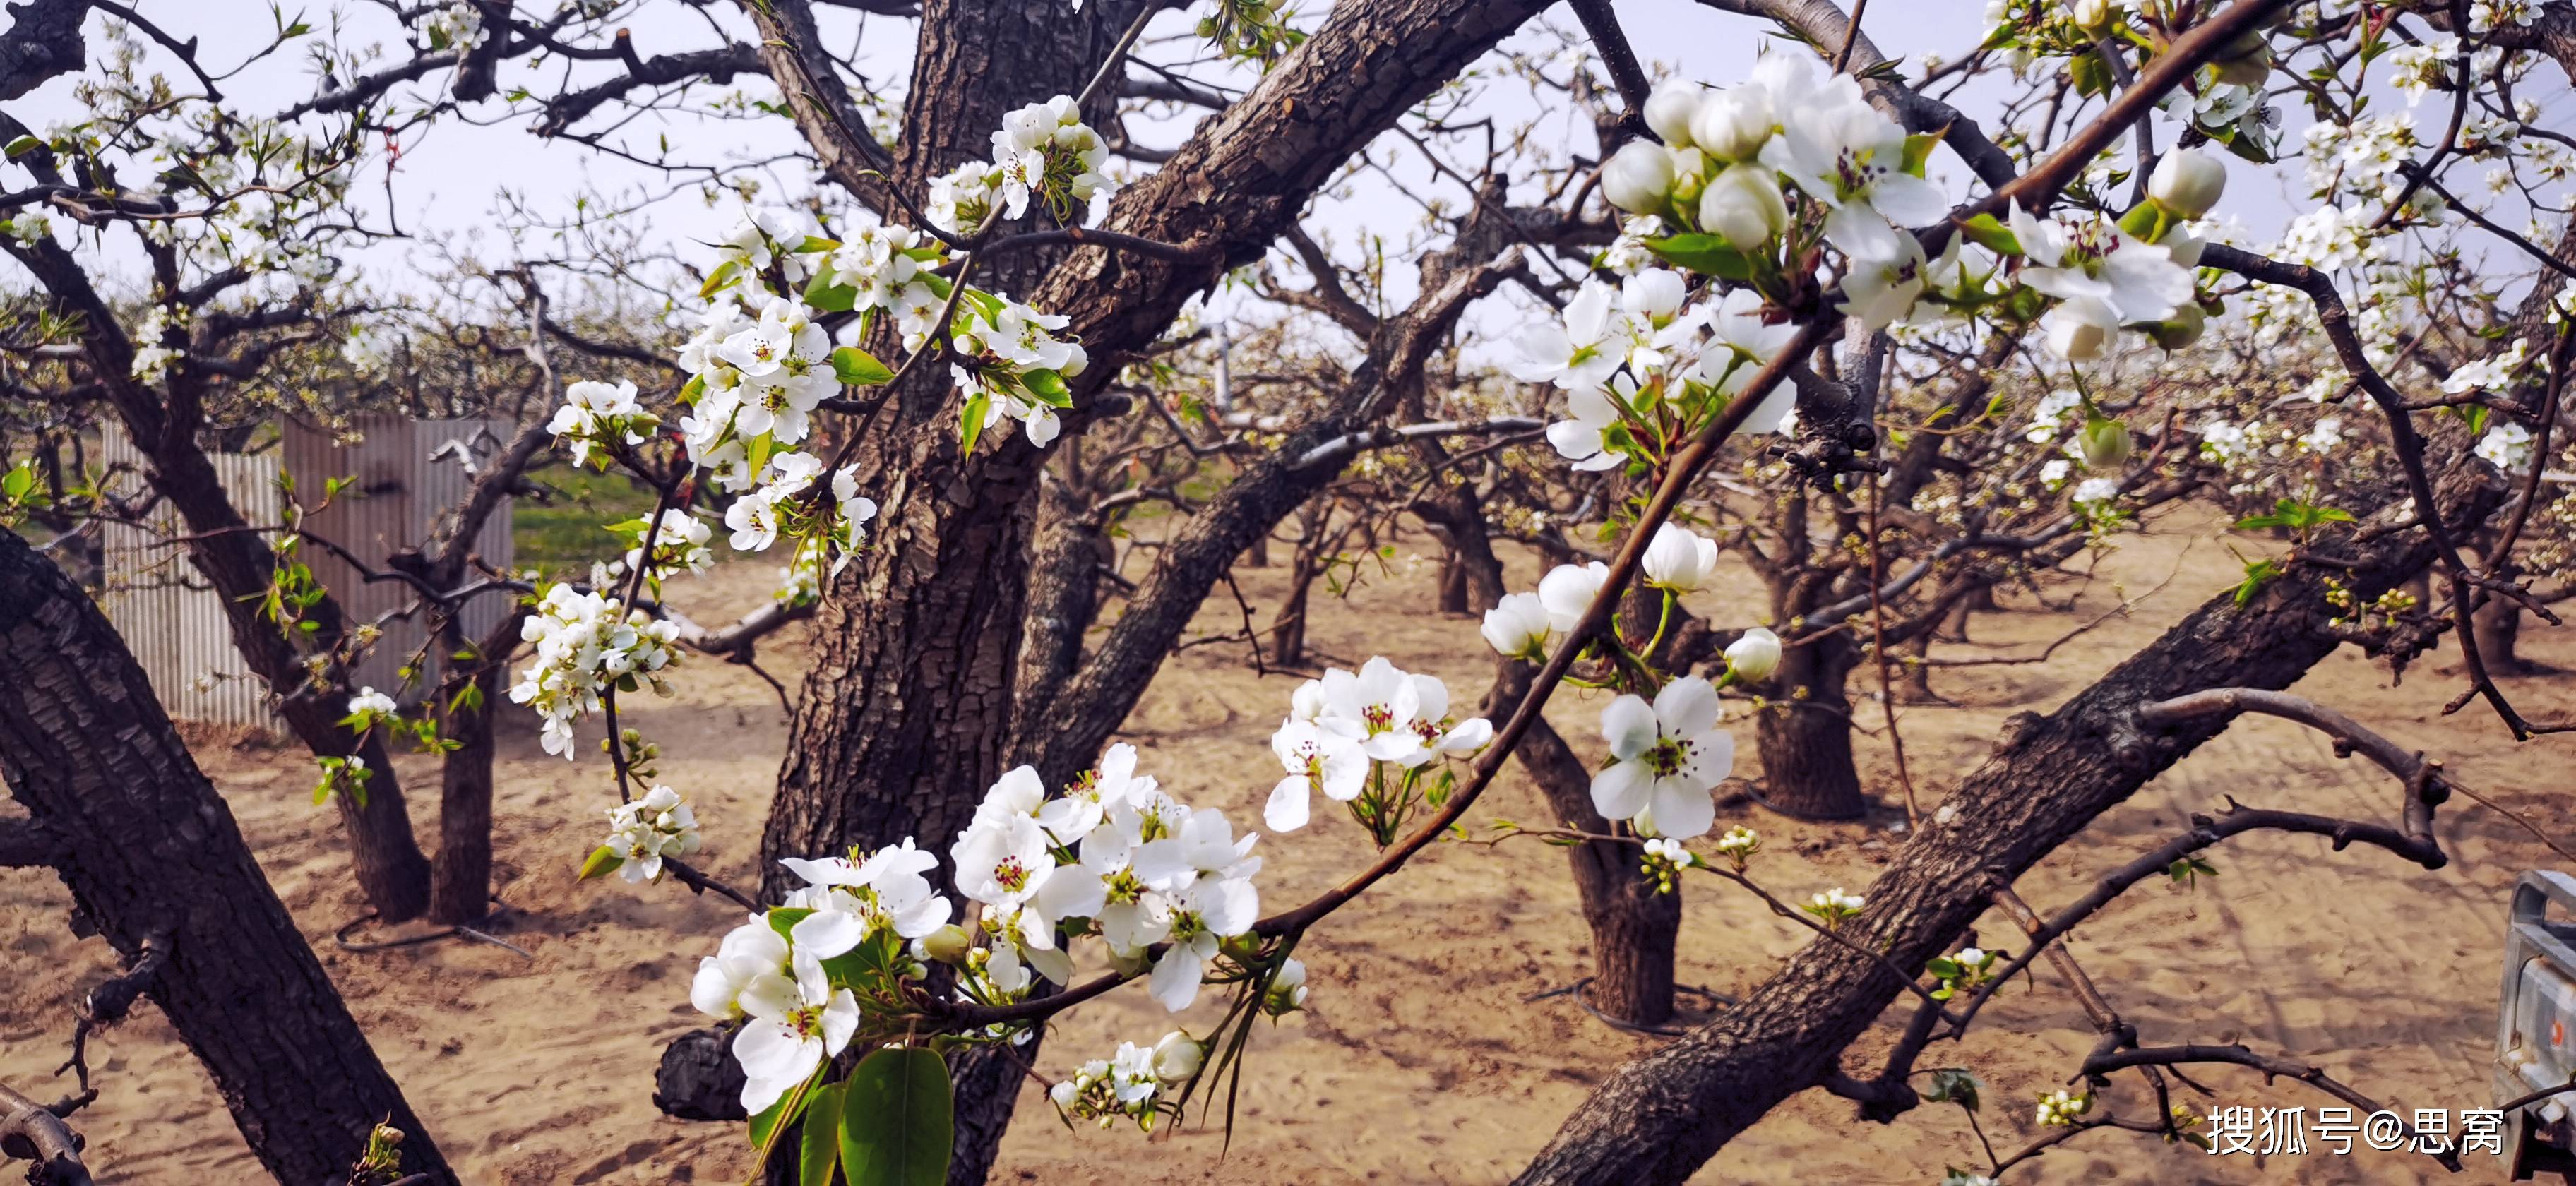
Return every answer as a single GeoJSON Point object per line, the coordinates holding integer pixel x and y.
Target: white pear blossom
{"type": "Point", "coordinates": [1665, 758]}
{"type": "Point", "coordinates": [1316, 761]}
{"type": "Point", "coordinates": [797, 1021]}
{"type": "Point", "coordinates": [748, 952]}
{"type": "Point", "coordinates": [644, 831]}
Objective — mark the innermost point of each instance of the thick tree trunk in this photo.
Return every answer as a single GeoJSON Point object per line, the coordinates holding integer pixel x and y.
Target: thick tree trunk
{"type": "Point", "coordinates": [390, 868]}
{"type": "Point", "coordinates": [908, 712]}
{"type": "Point", "coordinates": [1659, 1118]}
{"type": "Point", "coordinates": [1634, 929]}
{"type": "Point", "coordinates": [2498, 626]}
{"type": "Point", "coordinates": [1288, 626]}
{"type": "Point", "coordinates": [1805, 734]}
{"type": "Point", "coordinates": [460, 888]}
{"type": "Point", "coordinates": [153, 853]}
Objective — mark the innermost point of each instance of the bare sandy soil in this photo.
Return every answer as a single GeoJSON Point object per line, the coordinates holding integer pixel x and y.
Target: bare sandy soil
{"type": "Point", "coordinates": [1424, 1057]}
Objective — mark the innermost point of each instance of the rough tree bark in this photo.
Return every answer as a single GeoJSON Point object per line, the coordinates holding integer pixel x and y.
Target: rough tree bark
{"type": "Point", "coordinates": [152, 850]}
{"type": "Point", "coordinates": [1805, 734]}
{"type": "Point", "coordinates": [238, 562]}
{"type": "Point", "coordinates": [908, 712]}
{"type": "Point", "coordinates": [1657, 1119]}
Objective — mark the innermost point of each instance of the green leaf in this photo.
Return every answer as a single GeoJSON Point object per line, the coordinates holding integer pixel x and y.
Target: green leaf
{"type": "Point", "coordinates": [1049, 387]}
{"type": "Point", "coordinates": [821, 1145]}
{"type": "Point", "coordinates": [978, 406]}
{"type": "Point", "coordinates": [896, 1126]}
{"type": "Point", "coordinates": [1918, 151]}
{"type": "Point", "coordinates": [1706, 254]}
{"type": "Point", "coordinates": [23, 145]}
{"type": "Point", "coordinates": [1989, 232]}
{"type": "Point", "coordinates": [814, 243]}
{"type": "Point", "coordinates": [858, 368]}
{"type": "Point", "coordinates": [601, 862]}
{"type": "Point", "coordinates": [15, 484]}
{"type": "Point", "coordinates": [2092, 74]}
{"type": "Point", "coordinates": [831, 298]}
{"type": "Point", "coordinates": [718, 279]}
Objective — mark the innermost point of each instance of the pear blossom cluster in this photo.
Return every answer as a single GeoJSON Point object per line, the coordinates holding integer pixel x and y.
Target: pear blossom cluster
{"type": "Point", "coordinates": [1042, 150]}
{"type": "Point", "coordinates": [1111, 855]}
{"type": "Point", "coordinates": [1114, 855]}
{"type": "Point", "coordinates": [586, 644]}
{"type": "Point", "coordinates": [597, 419]}
{"type": "Point", "coordinates": [1753, 180]}
{"type": "Point", "coordinates": [152, 356]}
{"type": "Point", "coordinates": [1349, 733]}
{"type": "Point", "coordinates": [643, 831]}
{"type": "Point", "coordinates": [1129, 1083]}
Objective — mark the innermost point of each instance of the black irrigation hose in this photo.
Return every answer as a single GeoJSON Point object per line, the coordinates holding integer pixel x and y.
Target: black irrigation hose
{"type": "Point", "coordinates": [1575, 990]}
{"type": "Point", "coordinates": [341, 935]}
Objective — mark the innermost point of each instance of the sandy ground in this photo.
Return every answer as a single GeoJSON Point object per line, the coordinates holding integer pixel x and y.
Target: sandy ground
{"type": "Point", "coordinates": [1424, 1057]}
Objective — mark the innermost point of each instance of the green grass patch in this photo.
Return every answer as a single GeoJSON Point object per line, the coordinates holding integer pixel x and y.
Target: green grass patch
{"type": "Point", "coordinates": [561, 537]}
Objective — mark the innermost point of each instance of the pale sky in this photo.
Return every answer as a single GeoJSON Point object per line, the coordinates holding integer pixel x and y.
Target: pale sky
{"type": "Point", "coordinates": [449, 178]}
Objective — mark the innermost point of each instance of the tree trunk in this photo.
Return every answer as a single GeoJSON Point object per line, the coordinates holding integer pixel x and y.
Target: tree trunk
{"type": "Point", "coordinates": [908, 712]}
{"type": "Point", "coordinates": [460, 889]}
{"type": "Point", "coordinates": [154, 854]}
{"type": "Point", "coordinates": [1288, 626]}
{"type": "Point", "coordinates": [1659, 1118]}
{"type": "Point", "coordinates": [1453, 578]}
{"type": "Point", "coordinates": [2498, 626]}
{"type": "Point", "coordinates": [1805, 734]}
{"type": "Point", "coordinates": [1634, 929]}
{"type": "Point", "coordinates": [390, 868]}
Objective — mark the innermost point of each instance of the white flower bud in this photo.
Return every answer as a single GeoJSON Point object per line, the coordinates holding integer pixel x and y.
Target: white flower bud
{"type": "Point", "coordinates": [2092, 14]}
{"type": "Point", "coordinates": [1177, 1057]}
{"type": "Point", "coordinates": [1753, 657]}
{"type": "Point", "coordinates": [1517, 626]}
{"type": "Point", "coordinates": [1638, 178]}
{"type": "Point", "coordinates": [1744, 205]}
{"type": "Point", "coordinates": [1679, 559]}
{"type": "Point", "coordinates": [2183, 328]}
{"type": "Point", "coordinates": [1669, 111]}
{"type": "Point", "coordinates": [948, 944]}
{"type": "Point", "coordinates": [1733, 124]}
{"type": "Point", "coordinates": [2188, 182]}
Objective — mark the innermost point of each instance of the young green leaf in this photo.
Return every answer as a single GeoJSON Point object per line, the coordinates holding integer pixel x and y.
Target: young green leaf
{"type": "Point", "coordinates": [858, 368]}
{"type": "Point", "coordinates": [896, 1123]}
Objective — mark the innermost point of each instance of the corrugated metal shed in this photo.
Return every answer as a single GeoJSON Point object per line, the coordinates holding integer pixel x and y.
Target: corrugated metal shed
{"type": "Point", "coordinates": [409, 478]}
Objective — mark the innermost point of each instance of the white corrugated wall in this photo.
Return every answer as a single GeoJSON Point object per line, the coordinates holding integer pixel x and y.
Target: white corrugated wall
{"type": "Point", "coordinates": [176, 626]}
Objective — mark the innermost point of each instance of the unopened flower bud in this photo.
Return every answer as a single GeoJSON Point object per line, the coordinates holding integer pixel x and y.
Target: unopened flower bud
{"type": "Point", "coordinates": [2091, 15]}
{"type": "Point", "coordinates": [1177, 1057]}
{"type": "Point", "coordinates": [1669, 111]}
{"type": "Point", "coordinates": [2183, 328]}
{"type": "Point", "coordinates": [948, 944]}
{"type": "Point", "coordinates": [2105, 443]}
{"type": "Point", "coordinates": [1754, 656]}
{"type": "Point", "coordinates": [1732, 124]}
{"type": "Point", "coordinates": [1744, 205]}
{"type": "Point", "coordinates": [2188, 182]}
{"type": "Point", "coordinates": [1638, 178]}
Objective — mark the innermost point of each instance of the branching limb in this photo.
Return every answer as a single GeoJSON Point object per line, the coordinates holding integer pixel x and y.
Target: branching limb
{"type": "Point", "coordinates": [33, 1132]}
